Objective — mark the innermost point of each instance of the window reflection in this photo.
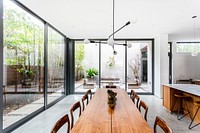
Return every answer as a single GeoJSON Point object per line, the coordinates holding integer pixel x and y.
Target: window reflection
{"type": "Point", "coordinates": [23, 66]}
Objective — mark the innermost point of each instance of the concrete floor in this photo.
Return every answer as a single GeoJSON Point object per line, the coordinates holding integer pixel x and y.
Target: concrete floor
{"type": "Point", "coordinates": [44, 121]}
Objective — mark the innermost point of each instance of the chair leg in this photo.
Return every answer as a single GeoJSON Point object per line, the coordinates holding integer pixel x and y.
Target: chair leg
{"type": "Point", "coordinates": [188, 112]}
{"type": "Point", "coordinates": [179, 104]}
{"type": "Point", "coordinates": [193, 120]}
{"type": "Point", "coordinates": [173, 105]}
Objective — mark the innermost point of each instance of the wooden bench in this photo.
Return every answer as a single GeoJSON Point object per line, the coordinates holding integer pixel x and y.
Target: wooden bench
{"type": "Point", "coordinates": [110, 81]}
{"type": "Point", "coordinates": [89, 86]}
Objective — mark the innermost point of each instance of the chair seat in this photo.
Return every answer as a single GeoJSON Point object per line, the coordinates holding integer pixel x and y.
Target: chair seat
{"type": "Point", "coordinates": [181, 96]}
{"type": "Point", "coordinates": [197, 103]}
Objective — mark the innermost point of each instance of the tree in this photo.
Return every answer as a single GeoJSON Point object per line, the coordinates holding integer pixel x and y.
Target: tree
{"type": "Point", "coordinates": [135, 67]}
{"type": "Point", "coordinates": [79, 58]}
{"type": "Point", "coordinates": [21, 38]}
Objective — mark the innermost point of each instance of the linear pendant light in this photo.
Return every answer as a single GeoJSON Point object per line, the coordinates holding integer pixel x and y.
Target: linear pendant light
{"type": "Point", "coordinates": [111, 38]}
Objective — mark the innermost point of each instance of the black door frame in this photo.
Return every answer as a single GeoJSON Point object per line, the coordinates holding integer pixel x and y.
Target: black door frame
{"type": "Point", "coordinates": [170, 62]}
{"type": "Point", "coordinates": [144, 39]}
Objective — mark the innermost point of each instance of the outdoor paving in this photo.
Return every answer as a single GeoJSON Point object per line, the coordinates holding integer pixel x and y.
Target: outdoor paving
{"type": "Point", "coordinates": [22, 112]}
{"type": "Point", "coordinates": [16, 115]}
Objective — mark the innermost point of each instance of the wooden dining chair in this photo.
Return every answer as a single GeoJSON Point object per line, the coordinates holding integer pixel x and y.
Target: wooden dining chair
{"type": "Point", "coordinates": [136, 97]}
{"type": "Point", "coordinates": [89, 92]}
{"type": "Point", "coordinates": [73, 108]}
{"type": "Point", "coordinates": [85, 98]}
{"type": "Point", "coordinates": [145, 107]}
{"type": "Point", "coordinates": [63, 120]}
{"type": "Point", "coordinates": [132, 93]}
{"type": "Point", "coordinates": [162, 124]}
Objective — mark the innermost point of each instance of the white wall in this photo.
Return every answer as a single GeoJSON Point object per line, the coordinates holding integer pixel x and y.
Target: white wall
{"type": "Point", "coordinates": [185, 66]}
{"type": "Point", "coordinates": [161, 63]}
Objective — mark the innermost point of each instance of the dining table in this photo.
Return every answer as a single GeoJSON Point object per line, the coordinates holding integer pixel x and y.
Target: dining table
{"type": "Point", "coordinates": [98, 117]}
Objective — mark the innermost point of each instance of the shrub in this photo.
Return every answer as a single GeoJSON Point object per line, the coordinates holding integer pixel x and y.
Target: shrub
{"type": "Point", "coordinates": [91, 72]}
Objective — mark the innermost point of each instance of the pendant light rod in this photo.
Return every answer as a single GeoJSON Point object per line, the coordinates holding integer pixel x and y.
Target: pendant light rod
{"type": "Point", "coordinates": [111, 38]}
{"type": "Point", "coordinates": [194, 52]}
{"type": "Point", "coordinates": [194, 26]}
{"type": "Point", "coordinates": [113, 18]}
{"type": "Point", "coordinates": [113, 23]}
{"type": "Point", "coordinates": [92, 41]}
{"type": "Point", "coordinates": [120, 28]}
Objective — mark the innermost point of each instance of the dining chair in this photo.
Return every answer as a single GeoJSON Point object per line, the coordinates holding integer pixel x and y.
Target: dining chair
{"type": "Point", "coordinates": [145, 107]}
{"type": "Point", "coordinates": [63, 120]}
{"type": "Point", "coordinates": [181, 99]}
{"type": "Point", "coordinates": [132, 93]}
{"type": "Point", "coordinates": [89, 92]}
{"type": "Point", "coordinates": [73, 108]}
{"type": "Point", "coordinates": [197, 103]}
{"type": "Point", "coordinates": [162, 124]}
{"type": "Point", "coordinates": [85, 98]}
{"type": "Point", "coordinates": [136, 97]}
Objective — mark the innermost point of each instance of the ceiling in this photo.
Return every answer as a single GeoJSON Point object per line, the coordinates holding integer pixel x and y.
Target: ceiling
{"type": "Point", "coordinates": [93, 18]}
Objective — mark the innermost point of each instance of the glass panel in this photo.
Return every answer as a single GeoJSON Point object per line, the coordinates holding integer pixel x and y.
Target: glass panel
{"type": "Point", "coordinates": [112, 66]}
{"type": "Point", "coordinates": [55, 85]}
{"type": "Point", "coordinates": [139, 66]}
{"type": "Point", "coordinates": [23, 66]}
{"type": "Point", "coordinates": [86, 66]}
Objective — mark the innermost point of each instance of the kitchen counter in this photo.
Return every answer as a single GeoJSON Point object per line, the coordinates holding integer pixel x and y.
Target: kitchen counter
{"type": "Point", "coordinates": [191, 90]}
{"type": "Point", "coordinates": [188, 88]}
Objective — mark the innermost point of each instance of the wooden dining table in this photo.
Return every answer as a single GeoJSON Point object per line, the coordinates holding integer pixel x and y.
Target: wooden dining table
{"type": "Point", "coordinates": [98, 117]}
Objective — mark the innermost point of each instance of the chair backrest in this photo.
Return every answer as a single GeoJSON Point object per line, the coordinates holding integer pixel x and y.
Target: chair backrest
{"type": "Point", "coordinates": [89, 92]}
{"type": "Point", "coordinates": [145, 107]}
{"type": "Point", "coordinates": [73, 108]}
{"type": "Point", "coordinates": [137, 98]}
{"type": "Point", "coordinates": [85, 97]}
{"type": "Point", "coordinates": [60, 123]}
{"type": "Point", "coordinates": [162, 124]}
{"type": "Point", "coordinates": [131, 94]}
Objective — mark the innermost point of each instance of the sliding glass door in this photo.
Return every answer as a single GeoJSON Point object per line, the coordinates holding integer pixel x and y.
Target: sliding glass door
{"type": "Point", "coordinates": [86, 66]}
{"type": "Point", "coordinates": [27, 42]}
{"type": "Point", "coordinates": [23, 65]}
{"type": "Point", "coordinates": [113, 66]}
{"type": "Point", "coordinates": [122, 67]}
{"type": "Point", "coordinates": [139, 66]}
{"type": "Point", "coordinates": [55, 84]}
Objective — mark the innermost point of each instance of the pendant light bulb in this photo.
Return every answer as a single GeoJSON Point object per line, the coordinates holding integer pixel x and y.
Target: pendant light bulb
{"type": "Point", "coordinates": [114, 52]}
{"type": "Point", "coordinates": [134, 21]}
{"type": "Point", "coordinates": [86, 41]}
{"type": "Point", "coordinates": [110, 41]}
{"type": "Point", "coordinates": [129, 45]}
{"type": "Point", "coordinates": [194, 53]}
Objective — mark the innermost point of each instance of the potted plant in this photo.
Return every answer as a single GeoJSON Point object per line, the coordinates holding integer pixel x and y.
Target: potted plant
{"type": "Point", "coordinates": [112, 98]}
{"type": "Point", "coordinates": [91, 72]}
{"type": "Point", "coordinates": [26, 76]}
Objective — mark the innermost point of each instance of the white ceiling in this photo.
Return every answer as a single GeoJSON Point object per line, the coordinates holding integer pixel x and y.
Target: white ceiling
{"type": "Point", "coordinates": [93, 18]}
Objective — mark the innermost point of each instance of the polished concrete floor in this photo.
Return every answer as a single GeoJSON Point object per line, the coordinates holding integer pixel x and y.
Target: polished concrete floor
{"type": "Point", "coordinates": [44, 121]}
